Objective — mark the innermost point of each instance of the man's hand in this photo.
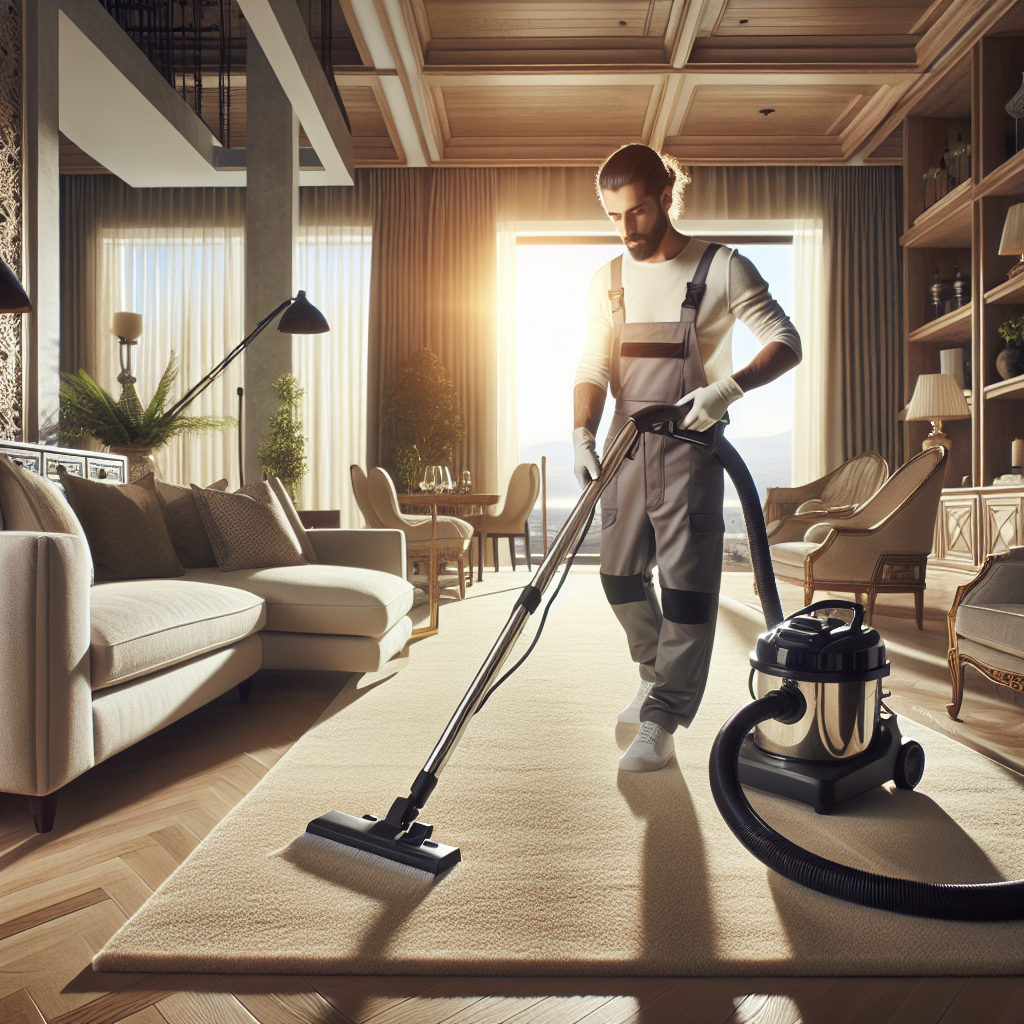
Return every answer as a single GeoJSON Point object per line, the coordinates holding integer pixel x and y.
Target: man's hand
{"type": "Point", "coordinates": [710, 404]}
{"type": "Point", "coordinates": [587, 467]}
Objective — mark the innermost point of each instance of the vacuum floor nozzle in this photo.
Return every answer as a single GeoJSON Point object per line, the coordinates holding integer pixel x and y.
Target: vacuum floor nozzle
{"type": "Point", "coordinates": [412, 846]}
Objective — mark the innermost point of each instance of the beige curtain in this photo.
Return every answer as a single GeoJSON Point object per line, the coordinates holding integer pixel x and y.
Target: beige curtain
{"type": "Point", "coordinates": [333, 264]}
{"type": "Point", "coordinates": [177, 257]}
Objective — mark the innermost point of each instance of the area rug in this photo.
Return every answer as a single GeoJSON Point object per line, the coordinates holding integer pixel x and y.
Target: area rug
{"type": "Point", "coordinates": [570, 867]}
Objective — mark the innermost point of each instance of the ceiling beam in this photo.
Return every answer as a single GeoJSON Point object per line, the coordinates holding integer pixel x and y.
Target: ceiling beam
{"type": "Point", "coordinates": [283, 37]}
{"type": "Point", "coordinates": [688, 29]}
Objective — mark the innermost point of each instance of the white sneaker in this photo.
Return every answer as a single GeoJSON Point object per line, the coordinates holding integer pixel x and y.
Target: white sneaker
{"type": "Point", "coordinates": [630, 714]}
{"type": "Point", "coordinates": [652, 749]}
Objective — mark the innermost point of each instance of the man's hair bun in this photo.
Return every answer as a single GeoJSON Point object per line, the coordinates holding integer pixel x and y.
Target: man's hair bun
{"type": "Point", "coordinates": [655, 171]}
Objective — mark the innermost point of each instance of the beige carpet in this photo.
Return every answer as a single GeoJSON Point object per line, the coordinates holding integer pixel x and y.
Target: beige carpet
{"type": "Point", "coordinates": [569, 867]}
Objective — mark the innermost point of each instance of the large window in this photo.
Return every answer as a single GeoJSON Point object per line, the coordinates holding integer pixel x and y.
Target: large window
{"type": "Point", "coordinates": [552, 276]}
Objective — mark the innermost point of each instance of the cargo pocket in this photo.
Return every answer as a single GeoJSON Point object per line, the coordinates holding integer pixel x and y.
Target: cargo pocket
{"type": "Point", "coordinates": [609, 503]}
{"type": "Point", "coordinates": [707, 522]}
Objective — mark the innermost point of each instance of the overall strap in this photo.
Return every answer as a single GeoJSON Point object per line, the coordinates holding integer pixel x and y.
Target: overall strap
{"type": "Point", "coordinates": [696, 287]}
{"type": "Point", "coordinates": [618, 311]}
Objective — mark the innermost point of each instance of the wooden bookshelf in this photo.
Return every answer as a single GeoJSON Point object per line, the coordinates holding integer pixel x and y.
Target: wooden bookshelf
{"type": "Point", "coordinates": [961, 233]}
{"type": "Point", "coordinates": [952, 327]}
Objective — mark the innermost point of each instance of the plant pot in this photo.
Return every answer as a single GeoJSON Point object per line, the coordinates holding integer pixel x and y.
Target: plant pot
{"type": "Point", "coordinates": [140, 460]}
{"type": "Point", "coordinates": [1010, 362]}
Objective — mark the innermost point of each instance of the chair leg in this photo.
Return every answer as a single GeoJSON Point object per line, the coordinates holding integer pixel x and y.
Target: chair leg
{"type": "Point", "coordinates": [244, 689]}
{"type": "Point", "coordinates": [512, 552]}
{"type": "Point", "coordinates": [919, 608]}
{"type": "Point", "coordinates": [808, 593]}
{"type": "Point", "coordinates": [44, 810]}
{"type": "Point", "coordinates": [526, 544]}
{"type": "Point", "coordinates": [469, 556]}
{"type": "Point", "coordinates": [956, 672]}
{"type": "Point", "coordinates": [462, 577]}
{"type": "Point", "coordinates": [869, 611]}
{"type": "Point", "coordinates": [481, 542]}
{"type": "Point", "coordinates": [494, 545]}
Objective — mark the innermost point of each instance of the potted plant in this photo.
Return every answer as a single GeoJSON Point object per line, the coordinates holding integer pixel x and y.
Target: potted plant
{"type": "Point", "coordinates": [283, 452]}
{"type": "Point", "coordinates": [1010, 362]}
{"type": "Point", "coordinates": [420, 419]}
{"type": "Point", "coordinates": [125, 426]}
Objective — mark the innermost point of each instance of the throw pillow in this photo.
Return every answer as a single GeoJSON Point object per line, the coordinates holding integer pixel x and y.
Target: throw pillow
{"type": "Point", "coordinates": [248, 529]}
{"type": "Point", "coordinates": [185, 525]}
{"type": "Point", "coordinates": [125, 528]}
{"type": "Point", "coordinates": [293, 519]}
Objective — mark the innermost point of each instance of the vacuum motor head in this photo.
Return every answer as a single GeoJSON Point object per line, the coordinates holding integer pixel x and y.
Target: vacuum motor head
{"type": "Point", "coordinates": [820, 647]}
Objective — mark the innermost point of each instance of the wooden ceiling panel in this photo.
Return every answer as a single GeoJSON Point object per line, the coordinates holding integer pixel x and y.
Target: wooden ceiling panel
{"type": "Point", "coordinates": [544, 19]}
{"type": "Point", "coordinates": [809, 111]}
{"type": "Point", "coordinates": [819, 17]}
{"type": "Point", "coordinates": [372, 144]}
{"type": "Point", "coordinates": [547, 111]}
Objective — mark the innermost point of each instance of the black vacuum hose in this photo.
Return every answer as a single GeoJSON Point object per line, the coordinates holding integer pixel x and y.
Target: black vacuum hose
{"type": "Point", "coordinates": [990, 901]}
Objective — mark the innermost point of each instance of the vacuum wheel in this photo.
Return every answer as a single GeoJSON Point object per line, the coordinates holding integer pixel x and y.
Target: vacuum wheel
{"type": "Point", "coordinates": [909, 765]}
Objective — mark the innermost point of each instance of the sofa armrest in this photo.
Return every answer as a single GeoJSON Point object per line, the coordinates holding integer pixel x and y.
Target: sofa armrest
{"type": "Point", "coordinates": [363, 549]}
{"type": "Point", "coordinates": [46, 734]}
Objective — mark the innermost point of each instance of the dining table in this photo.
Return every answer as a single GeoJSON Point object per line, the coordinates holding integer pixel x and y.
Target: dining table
{"type": "Point", "coordinates": [456, 501]}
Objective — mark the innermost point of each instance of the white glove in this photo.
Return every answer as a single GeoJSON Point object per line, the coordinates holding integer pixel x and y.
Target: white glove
{"type": "Point", "coordinates": [709, 404]}
{"type": "Point", "coordinates": [587, 467]}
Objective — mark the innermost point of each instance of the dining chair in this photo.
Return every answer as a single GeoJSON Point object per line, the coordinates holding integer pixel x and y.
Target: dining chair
{"type": "Point", "coordinates": [513, 519]}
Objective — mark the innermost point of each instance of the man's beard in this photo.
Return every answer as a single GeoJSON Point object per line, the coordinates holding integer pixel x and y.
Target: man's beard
{"type": "Point", "coordinates": [648, 243]}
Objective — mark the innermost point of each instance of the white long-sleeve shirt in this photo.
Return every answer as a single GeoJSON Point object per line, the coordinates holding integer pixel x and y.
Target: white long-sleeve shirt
{"type": "Point", "coordinates": [653, 293]}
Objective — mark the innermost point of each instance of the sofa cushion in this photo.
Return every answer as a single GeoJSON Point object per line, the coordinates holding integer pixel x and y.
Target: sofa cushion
{"type": "Point", "coordinates": [791, 554]}
{"type": "Point", "coordinates": [335, 599]}
{"type": "Point", "coordinates": [139, 626]}
{"type": "Point", "coordinates": [292, 516]}
{"type": "Point", "coordinates": [185, 525]}
{"type": "Point", "coordinates": [999, 626]}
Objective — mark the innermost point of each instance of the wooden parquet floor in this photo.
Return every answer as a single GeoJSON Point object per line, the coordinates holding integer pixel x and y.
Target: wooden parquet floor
{"type": "Point", "coordinates": [125, 826]}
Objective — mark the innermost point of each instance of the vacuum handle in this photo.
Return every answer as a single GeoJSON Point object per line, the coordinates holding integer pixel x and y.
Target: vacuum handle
{"type": "Point", "coordinates": [857, 609]}
{"type": "Point", "coordinates": [664, 419]}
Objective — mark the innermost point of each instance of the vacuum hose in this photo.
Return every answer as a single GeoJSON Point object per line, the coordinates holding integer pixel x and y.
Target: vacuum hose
{"type": "Point", "coordinates": [990, 901]}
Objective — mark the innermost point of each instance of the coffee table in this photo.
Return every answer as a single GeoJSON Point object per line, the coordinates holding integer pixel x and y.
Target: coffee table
{"type": "Point", "coordinates": [432, 501]}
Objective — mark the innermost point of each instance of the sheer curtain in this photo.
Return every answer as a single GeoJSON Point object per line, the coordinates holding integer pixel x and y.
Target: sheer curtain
{"type": "Point", "coordinates": [177, 257]}
{"type": "Point", "coordinates": [333, 266]}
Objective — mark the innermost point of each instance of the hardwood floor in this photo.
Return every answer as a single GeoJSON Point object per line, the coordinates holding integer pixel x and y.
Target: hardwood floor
{"type": "Point", "coordinates": [124, 827]}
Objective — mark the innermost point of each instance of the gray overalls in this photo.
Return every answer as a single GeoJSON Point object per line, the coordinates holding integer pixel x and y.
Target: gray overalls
{"type": "Point", "coordinates": [664, 507]}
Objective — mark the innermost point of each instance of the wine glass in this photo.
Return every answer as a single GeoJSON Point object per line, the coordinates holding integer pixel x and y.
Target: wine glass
{"type": "Point", "coordinates": [467, 482]}
{"type": "Point", "coordinates": [446, 480]}
{"type": "Point", "coordinates": [427, 485]}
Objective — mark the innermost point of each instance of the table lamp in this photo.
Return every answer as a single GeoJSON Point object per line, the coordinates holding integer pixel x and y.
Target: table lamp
{"type": "Point", "coordinates": [1012, 242]}
{"type": "Point", "coordinates": [13, 298]}
{"type": "Point", "coordinates": [937, 397]}
{"type": "Point", "coordinates": [127, 327]}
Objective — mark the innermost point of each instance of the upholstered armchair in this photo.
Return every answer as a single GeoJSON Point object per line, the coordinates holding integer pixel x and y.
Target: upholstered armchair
{"type": "Point", "coordinates": [453, 535]}
{"type": "Point", "coordinates": [881, 547]}
{"type": "Point", "coordinates": [790, 511]}
{"type": "Point", "coordinates": [986, 626]}
{"type": "Point", "coordinates": [511, 521]}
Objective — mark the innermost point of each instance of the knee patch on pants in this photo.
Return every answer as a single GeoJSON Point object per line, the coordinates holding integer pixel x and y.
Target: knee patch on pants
{"type": "Point", "coordinates": [623, 589]}
{"type": "Point", "coordinates": [687, 607]}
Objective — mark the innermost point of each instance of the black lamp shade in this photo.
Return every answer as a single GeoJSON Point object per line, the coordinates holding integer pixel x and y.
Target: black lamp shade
{"type": "Point", "coordinates": [13, 298]}
{"type": "Point", "coordinates": [302, 317]}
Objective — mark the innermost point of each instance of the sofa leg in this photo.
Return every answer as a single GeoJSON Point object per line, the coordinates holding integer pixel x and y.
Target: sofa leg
{"type": "Point", "coordinates": [44, 810]}
{"type": "Point", "coordinates": [244, 689]}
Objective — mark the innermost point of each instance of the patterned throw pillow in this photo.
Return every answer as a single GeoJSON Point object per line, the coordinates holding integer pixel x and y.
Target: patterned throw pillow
{"type": "Point", "coordinates": [31, 502]}
{"type": "Point", "coordinates": [125, 528]}
{"type": "Point", "coordinates": [248, 529]}
{"type": "Point", "coordinates": [293, 519]}
{"type": "Point", "coordinates": [185, 525]}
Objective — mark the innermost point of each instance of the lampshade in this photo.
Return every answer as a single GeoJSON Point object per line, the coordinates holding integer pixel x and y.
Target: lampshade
{"type": "Point", "coordinates": [1012, 242]}
{"type": "Point", "coordinates": [13, 298]}
{"type": "Point", "coordinates": [302, 317]}
{"type": "Point", "coordinates": [127, 325]}
{"type": "Point", "coordinates": [938, 396]}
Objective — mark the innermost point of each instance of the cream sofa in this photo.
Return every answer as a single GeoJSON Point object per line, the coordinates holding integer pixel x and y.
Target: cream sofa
{"type": "Point", "coordinates": [86, 671]}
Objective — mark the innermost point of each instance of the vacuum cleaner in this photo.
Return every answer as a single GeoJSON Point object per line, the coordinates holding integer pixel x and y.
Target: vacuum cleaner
{"type": "Point", "coordinates": [816, 731]}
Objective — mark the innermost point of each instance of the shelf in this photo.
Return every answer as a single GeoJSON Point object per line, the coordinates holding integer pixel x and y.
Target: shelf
{"type": "Point", "coordinates": [1012, 388]}
{"type": "Point", "coordinates": [1006, 180]}
{"type": "Point", "coordinates": [1009, 293]}
{"type": "Point", "coordinates": [955, 326]}
{"type": "Point", "coordinates": [946, 225]}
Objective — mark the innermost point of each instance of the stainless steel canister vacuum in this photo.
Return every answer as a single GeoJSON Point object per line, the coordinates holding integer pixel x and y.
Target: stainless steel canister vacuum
{"type": "Point", "coordinates": [819, 731]}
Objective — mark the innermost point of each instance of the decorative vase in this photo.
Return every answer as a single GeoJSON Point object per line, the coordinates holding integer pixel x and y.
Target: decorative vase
{"type": "Point", "coordinates": [1010, 362]}
{"type": "Point", "coordinates": [140, 460]}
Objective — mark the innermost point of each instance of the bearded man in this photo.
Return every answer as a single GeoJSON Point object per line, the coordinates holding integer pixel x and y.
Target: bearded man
{"type": "Point", "coordinates": [659, 331]}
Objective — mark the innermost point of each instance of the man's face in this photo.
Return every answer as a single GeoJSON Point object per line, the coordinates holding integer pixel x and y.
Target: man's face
{"type": "Point", "coordinates": [640, 219]}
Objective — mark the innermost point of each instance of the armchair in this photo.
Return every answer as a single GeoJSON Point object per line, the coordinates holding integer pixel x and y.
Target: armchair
{"type": "Point", "coordinates": [882, 547]}
{"type": "Point", "coordinates": [836, 494]}
{"type": "Point", "coordinates": [986, 626]}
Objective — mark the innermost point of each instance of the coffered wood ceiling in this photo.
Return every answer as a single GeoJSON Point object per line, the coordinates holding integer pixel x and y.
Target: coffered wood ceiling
{"type": "Point", "coordinates": [564, 82]}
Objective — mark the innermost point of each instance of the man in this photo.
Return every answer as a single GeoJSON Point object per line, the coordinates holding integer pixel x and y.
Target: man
{"type": "Point", "coordinates": [659, 329]}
